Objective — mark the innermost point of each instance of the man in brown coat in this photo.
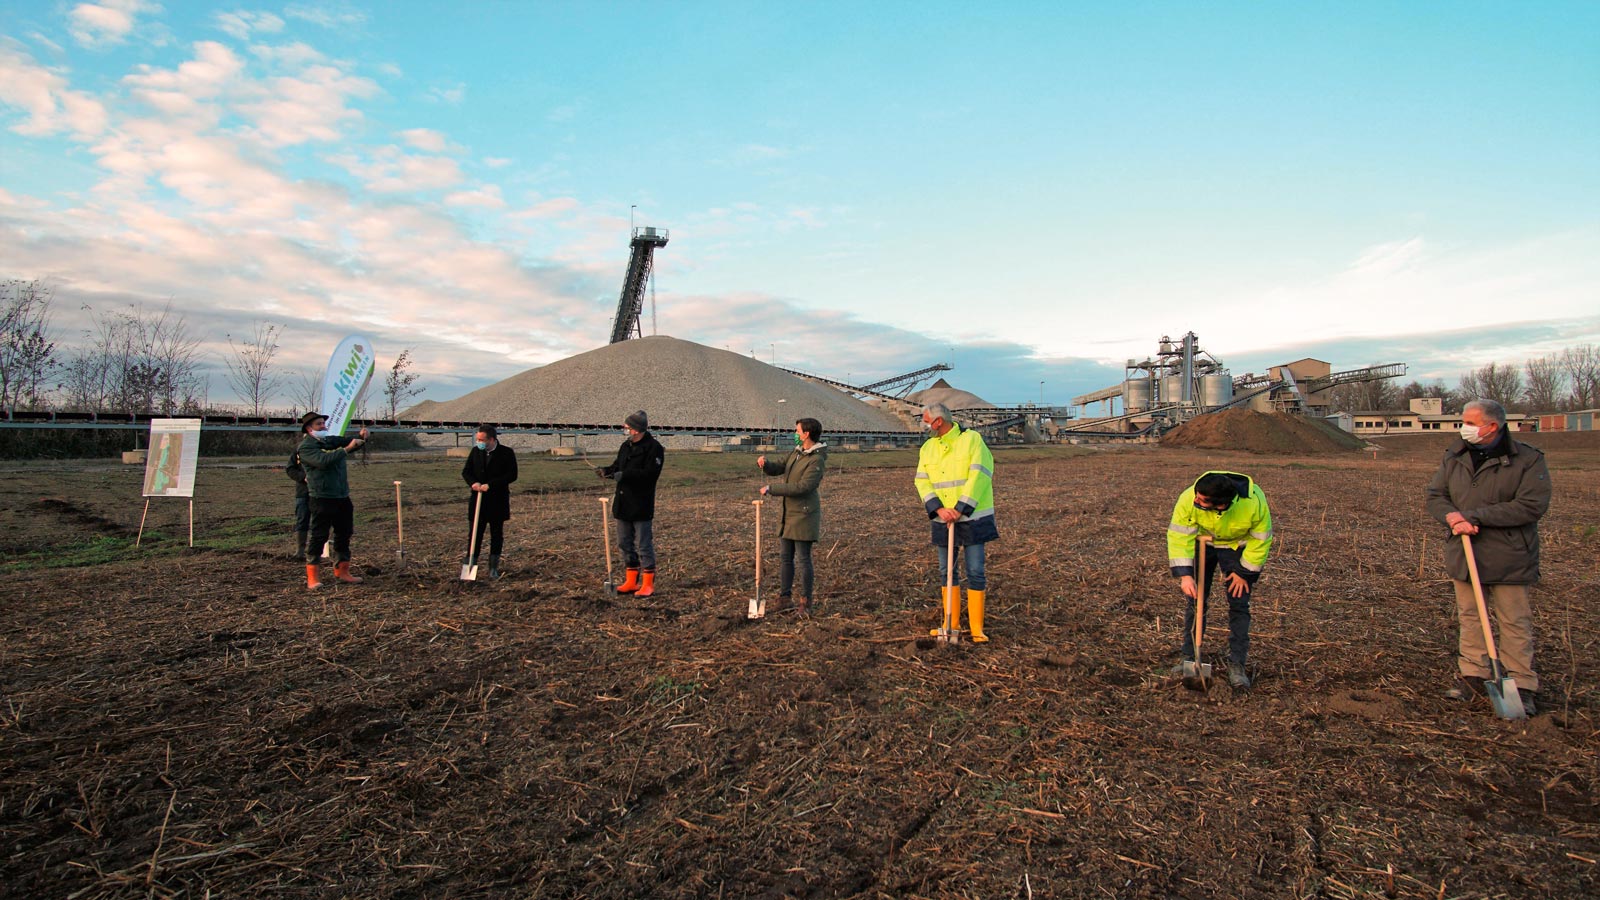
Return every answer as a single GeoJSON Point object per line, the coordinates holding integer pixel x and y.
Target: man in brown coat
{"type": "Point", "coordinates": [800, 523]}
{"type": "Point", "coordinates": [1494, 489]}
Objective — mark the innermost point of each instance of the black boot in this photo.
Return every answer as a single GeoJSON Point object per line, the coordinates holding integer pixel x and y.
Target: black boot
{"type": "Point", "coordinates": [494, 565]}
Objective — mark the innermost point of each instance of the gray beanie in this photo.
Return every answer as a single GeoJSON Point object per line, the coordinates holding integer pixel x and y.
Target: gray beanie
{"type": "Point", "coordinates": [637, 421]}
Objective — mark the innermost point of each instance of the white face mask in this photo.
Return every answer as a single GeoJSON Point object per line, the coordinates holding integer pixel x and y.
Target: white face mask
{"type": "Point", "coordinates": [320, 435]}
{"type": "Point", "coordinates": [1472, 434]}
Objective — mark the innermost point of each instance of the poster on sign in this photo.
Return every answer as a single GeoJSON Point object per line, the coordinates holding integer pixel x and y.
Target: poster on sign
{"type": "Point", "coordinates": [173, 457]}
{"type": "Point", "coordinates": [349, 371]}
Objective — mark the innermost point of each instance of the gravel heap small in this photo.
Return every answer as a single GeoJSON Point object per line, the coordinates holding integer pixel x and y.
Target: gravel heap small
{"type": "Point", "coordinates": [1257, 432]}
{"type": "Point", "coordinates": [942, 391]}
{"type": "Point", "coordinates": [677, 382]}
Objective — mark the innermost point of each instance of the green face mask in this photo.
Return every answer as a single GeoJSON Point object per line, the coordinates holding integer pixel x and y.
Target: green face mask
{"type": "Point", "coordinates": [797, 441]}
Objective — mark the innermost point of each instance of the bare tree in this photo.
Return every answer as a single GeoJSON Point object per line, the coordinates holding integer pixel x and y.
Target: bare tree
{"type": "Point", "coordinates": [250, 366]}
{"type": "Point", "coordinates": [1365, 396]}
{"type": "Point", "coordinates": [398, 386]}
{"type": "Point", "coordinates": [1581, 365]}
{"type": "Point", "coordinates": [27, 355]}
{"type": "Point", "coordinates": [1502, 384]}
{"type": "Point", "coordinates": [134, 360]}
{"type": "Point", "coordinates": [1545, 389]}
{"type": "Point", "coordinates": [305, 392]}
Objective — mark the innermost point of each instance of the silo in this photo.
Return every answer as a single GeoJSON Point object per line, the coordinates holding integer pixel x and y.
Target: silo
{"type": "Point", "coordinates": [1136, 394]}
{"type": "Point", "coordinates": [1216, 389]}
{"type": "Point", "coordinates": [1171, 388]}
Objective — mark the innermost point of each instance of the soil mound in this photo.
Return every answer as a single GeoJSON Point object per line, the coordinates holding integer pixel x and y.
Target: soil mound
{"type": "Point", "coordinates": [942, 391]}
{"type": "Point", "coordinates": [677, 382]}
{"type": "Point", "coordinates": [1257, 432]}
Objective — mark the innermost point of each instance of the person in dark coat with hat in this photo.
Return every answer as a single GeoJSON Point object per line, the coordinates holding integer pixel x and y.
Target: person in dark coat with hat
{"type": "Point", "coordinates": [636, 470]}
{"type": "Point", "coordinates": [489, 471]}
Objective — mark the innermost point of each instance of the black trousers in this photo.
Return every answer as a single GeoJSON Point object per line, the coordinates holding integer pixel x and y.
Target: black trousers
{"type": "Point", "coordinates": [497, 536]}
{"type": "Point", "coordinates": [339, 516]}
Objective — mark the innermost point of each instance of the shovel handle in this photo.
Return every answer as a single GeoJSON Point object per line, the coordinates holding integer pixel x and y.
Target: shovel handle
{"type": "Point", "coordinates": [477, 510]}
{"type": "Point", "coordinates": [757, 504]}
{"type": "Point", "coordinates": [1477, 593]}
{"type": "Point", "coordinates": [1199, 592]}
{"type": "Point", "coordinates": [399, 517]}
{"type": "Point", "coordinates": [605, 531]}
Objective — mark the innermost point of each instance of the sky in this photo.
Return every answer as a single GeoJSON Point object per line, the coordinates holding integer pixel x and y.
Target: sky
{"type": "Point", "coordinates": [1032, 191]}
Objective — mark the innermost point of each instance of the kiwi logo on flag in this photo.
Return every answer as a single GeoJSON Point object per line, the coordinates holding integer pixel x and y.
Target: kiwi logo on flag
{"type": "Point", "coordinates": [350, 370]}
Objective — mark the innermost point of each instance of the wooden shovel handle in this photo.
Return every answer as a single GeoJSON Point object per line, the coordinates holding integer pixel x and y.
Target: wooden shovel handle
{"type": "Point", "coordinates": [1477, 593]}
{"type": "Point", "coordinates": [1199, 591]}
{"type": "Point", "coordinates": [477, 510]}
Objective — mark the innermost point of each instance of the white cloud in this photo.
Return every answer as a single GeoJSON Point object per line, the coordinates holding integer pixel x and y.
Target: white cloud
{"type": "Point", "coordinates": [292, 56]}
{"type": "Point", "coordinates": [487, 196]}
{"type": "Point", "coordinates": [332, 15]}
{"type": "Point", "coordinates": [426, 139]}
{"type": "Point", "coordinates": [496, 162]}
{"type": "Point", "coordinates": [187, 89]}
{"type": "Point", "coordinates": [51, 106]}
{"type": "Point", "coordinates": [242, 23]}
{"type": "Point", "coordinates": [106, 22]}
{"type": "Point", "coordinates": [310, 106]}
{"type": "Point", "coordinates": [451, 94]}
{"type": "Point", "coordinates": [392, 170]}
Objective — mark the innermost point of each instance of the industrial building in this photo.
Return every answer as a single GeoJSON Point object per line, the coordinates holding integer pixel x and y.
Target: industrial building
{"type": "Point", "coordinates": [1182, 380]}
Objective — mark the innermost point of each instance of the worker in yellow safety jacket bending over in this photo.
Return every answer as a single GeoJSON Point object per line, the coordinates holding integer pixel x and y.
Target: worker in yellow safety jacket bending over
{"type": "Point", "coordinates": [1231, 510]}
{"type": "Point", "coordinates": [955, 478]}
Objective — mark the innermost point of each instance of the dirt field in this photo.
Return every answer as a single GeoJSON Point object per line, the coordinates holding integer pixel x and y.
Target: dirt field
{"type": "Point", "coordinates": [192, 723]}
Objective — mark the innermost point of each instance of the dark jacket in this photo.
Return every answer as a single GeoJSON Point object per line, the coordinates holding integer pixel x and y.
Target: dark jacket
{"type": "Point", "coordinates": [1505, 498]}
{"type": "Point", "coordinates": [297, 474]}
{"type": "Point", "coordinates": [801, 516]}
{"type": "Point", "coordinates": [636, 470]}
{"type": "Point", "coordinates": [497, 469]}
{"type": "Point", "coordinates": [324, 464]}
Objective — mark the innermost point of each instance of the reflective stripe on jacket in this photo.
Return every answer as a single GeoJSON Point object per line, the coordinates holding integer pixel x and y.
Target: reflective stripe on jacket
{"type": "Point", "coordinates": [956, 470]}
{"type": "Point", "coordinates": [1246, 526]}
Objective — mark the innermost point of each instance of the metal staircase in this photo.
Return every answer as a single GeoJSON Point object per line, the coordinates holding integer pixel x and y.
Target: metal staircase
{"type": "Point", "coordinates": [644, 244]}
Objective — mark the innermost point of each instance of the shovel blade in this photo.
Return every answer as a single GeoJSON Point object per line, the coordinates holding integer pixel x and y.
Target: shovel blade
{"type": "Point", "coordinates": [1196, 675]}
{"type": "Point", "coordinates": [469, 573]}
{"type": "Point", "coordinates": [1505, 698]}
{"type": "Point", "coordinates": [758, 610]}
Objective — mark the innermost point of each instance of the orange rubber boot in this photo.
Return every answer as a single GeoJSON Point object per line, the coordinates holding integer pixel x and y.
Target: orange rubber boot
{"type": "Point", "coordinates": [312, 582]}
{"type": "Point", "coordinates": [629, 584]}
{"type": "Point", "coordinates": [647, 584]}
{"type": "Point", "coordinates": [341, 571]}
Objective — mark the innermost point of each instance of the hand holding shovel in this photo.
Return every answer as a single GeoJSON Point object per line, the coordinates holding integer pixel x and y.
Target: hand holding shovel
{"type": "Point", "coordinates": [1500, 686]}
{"type": "Point", "coordinates": [469, 569]}
{"type": "Point", "coordinates": [1196, 674]}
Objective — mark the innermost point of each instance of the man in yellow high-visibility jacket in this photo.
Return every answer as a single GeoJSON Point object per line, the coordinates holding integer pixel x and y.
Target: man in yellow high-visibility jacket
{"type": "Point", "coordinates": [955, 478]}
{"type": "Point", "coordinates": [1231, 510]}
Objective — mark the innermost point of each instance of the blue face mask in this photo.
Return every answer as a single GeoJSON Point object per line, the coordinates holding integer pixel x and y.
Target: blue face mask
{"type": "Point", "coordinates": [482, 445]}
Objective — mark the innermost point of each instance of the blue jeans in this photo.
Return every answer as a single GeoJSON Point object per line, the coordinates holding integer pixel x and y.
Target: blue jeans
{"type": "Point", "coordinates": [637, 540]}
{"type": "Point", "coordinates": [971, 556]}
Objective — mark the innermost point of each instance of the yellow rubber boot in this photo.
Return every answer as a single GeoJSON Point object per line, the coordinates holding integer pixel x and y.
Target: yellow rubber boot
{"type": "Point", "coordinates": [975, 616]}
{"type": "Point", "coordinates": [951, 611]}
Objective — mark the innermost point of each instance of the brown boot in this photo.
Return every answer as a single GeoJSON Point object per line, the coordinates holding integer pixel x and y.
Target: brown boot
{"type": "Point", "coordinates": [312, 581]}
{"type": "Point", "coordinates": [647, 584]}
{"type": "Point", "coordinates": [629, 584]}
{"type": "Point", "coordinates": [341, 571]}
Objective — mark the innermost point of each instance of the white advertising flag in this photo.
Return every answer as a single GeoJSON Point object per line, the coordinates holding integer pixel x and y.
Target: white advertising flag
{"type": "Point", "coordinates": [349, 370]}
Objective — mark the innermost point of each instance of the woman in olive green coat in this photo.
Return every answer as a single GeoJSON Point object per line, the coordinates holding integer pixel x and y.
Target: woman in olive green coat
{"type": "Point", "coordinates": [800, 523]}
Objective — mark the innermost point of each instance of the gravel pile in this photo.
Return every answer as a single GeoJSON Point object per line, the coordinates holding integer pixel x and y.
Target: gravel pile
{"type": "Point", "coordinates": [942, 392]}
{"type": "Point", "coordinates": [677, 382]}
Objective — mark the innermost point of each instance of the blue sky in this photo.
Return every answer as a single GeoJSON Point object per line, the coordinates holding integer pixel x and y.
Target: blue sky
{"type": "Point", "coordinates": [1038, 190]}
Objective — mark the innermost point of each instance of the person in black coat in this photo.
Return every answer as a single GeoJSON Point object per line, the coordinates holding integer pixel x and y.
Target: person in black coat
{"type": "Point", "coordinates": [490, 469]}
{"type": "Point", "coordinates": [302, 503]}
{"type": "Point", "coordinates": [636, 470]}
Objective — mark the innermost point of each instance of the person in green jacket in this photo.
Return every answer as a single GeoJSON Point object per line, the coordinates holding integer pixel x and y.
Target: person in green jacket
{"type": "Point", "coordinates": [1230, 510]}
{"type": "Point", "coordinates": [800, 521]}
{"type": "Point", "coordinates": [323, 456]}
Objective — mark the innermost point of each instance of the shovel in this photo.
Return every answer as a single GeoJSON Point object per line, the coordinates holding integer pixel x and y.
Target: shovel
{"type": "Point", "coordinates": [605, 529]}
{"type": "Point", "coordinates": [1196, 674]}
{"type": "Point", "coordinates": [399, 524]}
{"type": "Point", "coordinates": [469, 569]}
{"type": "Point", "coordinates": [1501, 687]}
{"type": "Point", "coordinates": [758, 607]}
{"type": "Point", "coordinates": [950, 627]}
